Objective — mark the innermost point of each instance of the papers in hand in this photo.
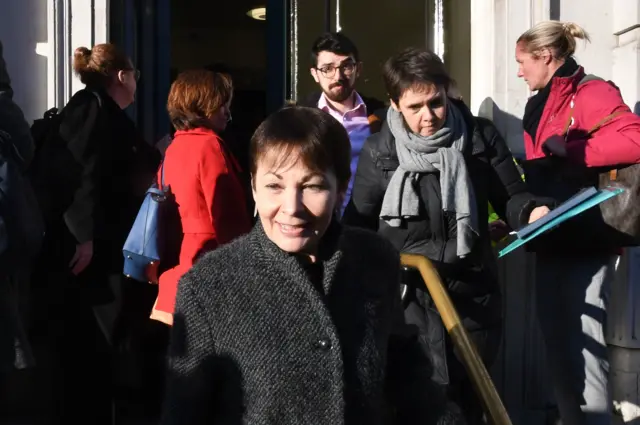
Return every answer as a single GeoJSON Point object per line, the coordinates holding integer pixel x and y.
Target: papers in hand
{"type": "Point", "coordinates": [580, 202]}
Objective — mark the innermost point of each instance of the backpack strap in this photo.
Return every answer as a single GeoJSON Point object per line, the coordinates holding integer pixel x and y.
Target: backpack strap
{"type": "Point", "coordinates": [95, 93]}
{"type": "Point", "coordinates": [570, 120]}
{"type": "Point", "coordinates": [613, 174]}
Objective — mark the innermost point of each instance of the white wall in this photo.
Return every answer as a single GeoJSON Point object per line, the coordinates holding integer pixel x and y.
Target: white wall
{"type": "Point", "coordinates": [39, 37]}
{"type": "Point", "coordinates": [496, 91]}
{"type": "Point", "coordinates": [626, 53]}
{"type": "Point", "coordinates": [23, 24]}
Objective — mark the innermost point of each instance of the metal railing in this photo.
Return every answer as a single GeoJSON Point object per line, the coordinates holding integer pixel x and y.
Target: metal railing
{"type": "Point", "coordinates": [493, 406]}
{"type": "Point", "coordinates": [626, 30]}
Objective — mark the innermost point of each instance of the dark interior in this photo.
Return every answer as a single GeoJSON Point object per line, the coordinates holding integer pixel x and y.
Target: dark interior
{"type": "Point", "coordinates": [222, 35]}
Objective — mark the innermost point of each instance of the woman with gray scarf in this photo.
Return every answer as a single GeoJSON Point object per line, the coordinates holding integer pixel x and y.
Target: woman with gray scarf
{"type": "Point", "coordinates": [425, 182]}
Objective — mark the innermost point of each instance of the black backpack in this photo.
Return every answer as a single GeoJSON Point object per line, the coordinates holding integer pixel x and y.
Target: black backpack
{"type": "Point", "coordinates": [53, 169]}
{"type": "Point", "coordinates": [46, 127]}
{"type": "Point", "coordinates": [21, 224]}
{"type": "Point", "coordinates": [44, 171]}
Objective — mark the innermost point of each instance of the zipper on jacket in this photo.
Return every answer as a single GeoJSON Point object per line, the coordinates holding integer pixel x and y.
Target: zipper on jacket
{"type": "Point", "coordinates": [443, 229]}
{"type": "Point", "coordinates": [445, 235]}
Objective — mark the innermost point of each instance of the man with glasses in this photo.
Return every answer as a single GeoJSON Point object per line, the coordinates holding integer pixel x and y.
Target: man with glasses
{"type": "Point", "coordinates": [335, 66]}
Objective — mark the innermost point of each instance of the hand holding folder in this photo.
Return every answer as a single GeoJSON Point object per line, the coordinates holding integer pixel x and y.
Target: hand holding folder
{"type": "Point", "coordinates": [580, 202]}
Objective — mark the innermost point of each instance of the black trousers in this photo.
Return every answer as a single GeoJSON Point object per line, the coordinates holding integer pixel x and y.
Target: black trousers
{"type": "Point", "coordinates": [139, 354]}
{"type": "Point", "coordinates": [461, 389]}
{"type": "Point", "coordinates": [481, 318]}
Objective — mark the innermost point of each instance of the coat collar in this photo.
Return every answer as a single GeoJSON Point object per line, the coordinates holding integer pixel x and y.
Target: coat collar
{"type": "Point", "coordinates": [198, 130]}
{"type": "Point", "coordinates": [477, 145]}
{"type": "Point", "coordinates": [567, 85]}
{"type": "Point", "coordinates": [330, 255]}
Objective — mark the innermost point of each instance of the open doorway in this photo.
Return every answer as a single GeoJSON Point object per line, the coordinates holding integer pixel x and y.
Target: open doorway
{"type": "Point", "coordinates": [224, 36]}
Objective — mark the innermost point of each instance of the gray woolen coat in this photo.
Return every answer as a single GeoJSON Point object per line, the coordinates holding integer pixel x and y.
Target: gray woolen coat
{"type": "Point", "coordinates": [255, 341]}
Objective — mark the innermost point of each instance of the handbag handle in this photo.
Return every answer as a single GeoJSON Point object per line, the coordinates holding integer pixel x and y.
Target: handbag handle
{"type": "Point", "coordinates": [162, 187]}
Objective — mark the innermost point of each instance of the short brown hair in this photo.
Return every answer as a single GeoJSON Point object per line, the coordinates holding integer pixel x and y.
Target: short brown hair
{"type": "Point", "coordinates": [97, 66]}
{"type": "Point", "coordinates": [413, 67]}
{"type": "Point", "coordinates": [195, 96]}
{"type": "Point", "coordinates": [312, 135]}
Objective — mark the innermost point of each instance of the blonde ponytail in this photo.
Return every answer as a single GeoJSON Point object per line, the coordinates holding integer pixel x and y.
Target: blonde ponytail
{"type": "Point", "coordinates": [557, 36]}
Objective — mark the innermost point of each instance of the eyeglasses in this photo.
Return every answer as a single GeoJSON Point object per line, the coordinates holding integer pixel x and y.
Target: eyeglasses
{"type": "Point", "coordinates": [329, 71]}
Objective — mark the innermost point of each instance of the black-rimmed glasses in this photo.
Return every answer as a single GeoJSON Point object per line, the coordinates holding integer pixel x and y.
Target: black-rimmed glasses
{"type": "Point", "coordinates": [329, 71]}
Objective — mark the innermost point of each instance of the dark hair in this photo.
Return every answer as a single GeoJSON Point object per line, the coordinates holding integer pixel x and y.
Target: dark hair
{"type": "Point", "coordinates": [195, 96]}
{"type": "Point", "coordinates": [413, 67]}
{"type": "Point", "coordinates": [312, 135]}
{"type": "Point", "coordinates": [333, 42]}
{"type": "Point", "coordinates": [96, 67]}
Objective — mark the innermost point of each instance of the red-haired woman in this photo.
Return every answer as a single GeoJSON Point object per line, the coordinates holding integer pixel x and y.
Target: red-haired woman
{"type": "Point", "coordinates": [203, 176]}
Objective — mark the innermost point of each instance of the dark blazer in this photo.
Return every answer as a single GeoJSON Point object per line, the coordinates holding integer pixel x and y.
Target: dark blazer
{"type": "Point", "coordinates": [255, 341]}
{"type": "Point", "coordinates": [100, 168]}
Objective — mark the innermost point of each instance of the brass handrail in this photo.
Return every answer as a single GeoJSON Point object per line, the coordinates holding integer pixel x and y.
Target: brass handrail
{"type": "Point", "coordinates": [491, 401]}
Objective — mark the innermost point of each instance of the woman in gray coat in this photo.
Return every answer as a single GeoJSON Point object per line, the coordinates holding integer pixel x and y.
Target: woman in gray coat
{"type": "Point", "coordinates": [300, 321]}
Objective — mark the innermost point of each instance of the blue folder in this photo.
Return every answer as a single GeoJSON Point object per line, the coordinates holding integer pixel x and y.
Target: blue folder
{"type": "Point", "coordinates": [582, 201]}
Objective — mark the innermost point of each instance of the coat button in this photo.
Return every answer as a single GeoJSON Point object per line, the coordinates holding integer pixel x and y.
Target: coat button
{"type": "Point", "coordinates": [323, 344]}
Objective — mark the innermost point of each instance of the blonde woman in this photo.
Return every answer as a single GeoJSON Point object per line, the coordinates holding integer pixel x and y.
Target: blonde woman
{"type": "Point", "coordinates": [574, 267]}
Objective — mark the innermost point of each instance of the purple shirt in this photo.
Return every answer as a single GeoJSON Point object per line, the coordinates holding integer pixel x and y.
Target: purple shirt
{"type": "Point", "coordinates": [356, 122]}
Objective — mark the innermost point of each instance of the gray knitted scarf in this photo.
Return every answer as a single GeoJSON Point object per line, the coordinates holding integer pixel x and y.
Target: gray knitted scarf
{"type": "Point", "coordinates": [441, 152]}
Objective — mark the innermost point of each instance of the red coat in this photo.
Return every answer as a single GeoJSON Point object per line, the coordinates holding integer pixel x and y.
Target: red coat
{"type": "Point", "coordinates": [202, 175]}
{"type": "Point", "coordinates": [616, 142]}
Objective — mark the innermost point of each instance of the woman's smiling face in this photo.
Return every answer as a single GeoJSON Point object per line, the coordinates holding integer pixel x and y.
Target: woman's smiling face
{"type": "Point", "coordinates": [295, 203]}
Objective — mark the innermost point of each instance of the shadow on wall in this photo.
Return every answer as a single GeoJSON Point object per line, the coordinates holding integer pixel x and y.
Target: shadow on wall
{"type": "Point", "coordinates": [23, 24]}
{"type": "Point", "coordinates": [636, 109]}
{"type": "Point", "coordinates": [509, 126]}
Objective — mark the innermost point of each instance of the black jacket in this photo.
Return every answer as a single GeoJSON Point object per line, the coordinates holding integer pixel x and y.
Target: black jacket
{"type": "Point", "coordinates": [99, 169]}
{"type": "Point", "coordinates": [15, 349]}
{"type": "Point", "coordinates": [258, 340]}
{"type": "Point", "coordinates": [472, 282]}
{"type": "Point", "coordinates": [495, 179]}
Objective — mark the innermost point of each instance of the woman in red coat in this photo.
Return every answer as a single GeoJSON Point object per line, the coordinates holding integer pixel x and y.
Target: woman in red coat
{"type": "Point", "coordinates": [202, 174]}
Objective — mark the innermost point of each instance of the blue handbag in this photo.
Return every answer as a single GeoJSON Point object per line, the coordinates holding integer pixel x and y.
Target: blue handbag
{"type": "Point", "coordinates": [153, 244]}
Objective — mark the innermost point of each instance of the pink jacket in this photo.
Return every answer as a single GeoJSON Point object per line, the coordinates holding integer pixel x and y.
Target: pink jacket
{"type": "Point", "coordinates": [616, 142]}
